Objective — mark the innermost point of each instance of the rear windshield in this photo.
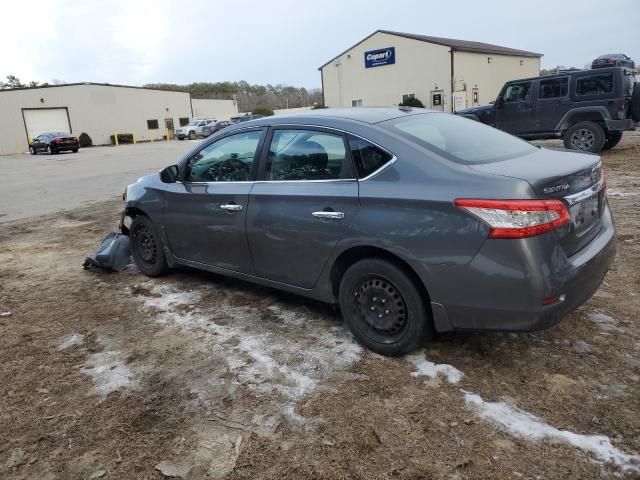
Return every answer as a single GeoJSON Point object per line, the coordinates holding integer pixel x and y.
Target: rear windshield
{"type": "Point", "coordinates": [459, 139]}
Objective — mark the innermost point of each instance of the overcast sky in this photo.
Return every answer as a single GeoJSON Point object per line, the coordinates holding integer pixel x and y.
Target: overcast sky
{"type": "Point", "coordinates": [283, 41]}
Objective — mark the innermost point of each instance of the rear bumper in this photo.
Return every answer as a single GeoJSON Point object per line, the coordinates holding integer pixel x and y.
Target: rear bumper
{"type": "Point", "coordinates": [65, 146]}
{"type": "Point", "coordinates": [620, 125]}
{"type": "Point", "coordinates": [505, 283]}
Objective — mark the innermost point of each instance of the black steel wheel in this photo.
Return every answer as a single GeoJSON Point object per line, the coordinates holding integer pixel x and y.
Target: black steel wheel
{"type": "Point", "coordinates": [146, 247]}
{"type": "Point", "coordinates": [383, 307]}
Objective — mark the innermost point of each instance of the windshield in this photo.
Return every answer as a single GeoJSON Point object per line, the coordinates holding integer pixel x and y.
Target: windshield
{"type": "Point", "coordinates": [459, 139]}
{"type": "Point", "coordinates": [192, 123]}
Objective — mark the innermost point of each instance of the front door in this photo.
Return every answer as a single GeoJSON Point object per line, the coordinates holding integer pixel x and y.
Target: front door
{"type": "Point", "coordinates": [205, 212]}
{"type": "Point", "coordinates": [300, 209]}
{"type": "Point", "coordinates": [168, 125]}
{"type": "Point", "coordinates": [553, 102]}
{"type": "Point", "coordinates": [437, 100]}
{"type": "Point", "coordinates": [514, 113]}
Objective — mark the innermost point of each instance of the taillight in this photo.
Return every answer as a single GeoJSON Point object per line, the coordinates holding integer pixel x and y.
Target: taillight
{"type": "Point", "coordinates": [621, 109]}
{"type": "Point", "coordinates": [517, 218]}
{"type": "Point", "coordinates": [57, 140]}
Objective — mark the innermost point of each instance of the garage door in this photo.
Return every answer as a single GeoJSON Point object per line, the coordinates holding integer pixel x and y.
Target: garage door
{"type": "Point", "coordinates": [44, 120]}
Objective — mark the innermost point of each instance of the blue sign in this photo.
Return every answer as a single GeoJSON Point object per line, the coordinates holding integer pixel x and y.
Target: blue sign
{"type": "Point", "coordinates": [377, 58]}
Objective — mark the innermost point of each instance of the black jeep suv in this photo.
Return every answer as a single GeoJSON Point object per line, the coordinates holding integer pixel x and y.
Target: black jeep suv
{"type": "Point", "coordinates": [588, 109]}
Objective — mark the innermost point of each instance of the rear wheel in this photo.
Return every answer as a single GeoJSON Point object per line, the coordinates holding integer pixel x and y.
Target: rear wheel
{"type": "Point", "coordinates": [146, 247]}
{"type": "Point", "coordinates": [585, 136]}
{"type": "Point", "coordinates": [50, 150]}
{"type": "Point", "coordinates": [383, 308]}
{"type": "Point", "coordinates": [612, 140]}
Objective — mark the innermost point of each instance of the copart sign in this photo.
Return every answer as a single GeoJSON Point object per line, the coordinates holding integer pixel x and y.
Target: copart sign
{"type": "Point", "coordinates": [377, 58]}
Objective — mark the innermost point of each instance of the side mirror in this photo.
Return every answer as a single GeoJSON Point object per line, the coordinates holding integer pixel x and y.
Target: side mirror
{"type": "Point", "coordinates": [169, 174]}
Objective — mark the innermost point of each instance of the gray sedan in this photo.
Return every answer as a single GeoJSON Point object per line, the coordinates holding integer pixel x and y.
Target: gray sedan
{"type": "Point", "coordinates": [414, 222]}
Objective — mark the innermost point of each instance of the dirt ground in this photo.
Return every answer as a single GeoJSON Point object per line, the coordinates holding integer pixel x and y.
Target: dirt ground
{"type": "Point", "coordinates": [118, 376]}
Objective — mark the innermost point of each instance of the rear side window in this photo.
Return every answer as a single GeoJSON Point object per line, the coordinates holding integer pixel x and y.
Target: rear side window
{"type": "Point", "coordinates": [595, 84]}
{"type": "Point", "coordinates": [554, 88]}
{"type": "Point", "coordinates": [305, 155]}
{"type": "Point", "coordinates": [367, 157]}
{"type": "Point", "coordinates": [459, 139]}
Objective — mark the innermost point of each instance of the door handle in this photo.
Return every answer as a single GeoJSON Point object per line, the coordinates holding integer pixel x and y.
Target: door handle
{"type": "Point", "coordinates": [231, 207]}
{"type": "Point", "coordinates": [331, 215]}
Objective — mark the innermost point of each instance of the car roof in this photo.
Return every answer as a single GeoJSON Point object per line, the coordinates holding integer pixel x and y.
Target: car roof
{"type": "Point", "coordinates": [369, 115]}
{"type": "Point", "coordinates": [572, 72]}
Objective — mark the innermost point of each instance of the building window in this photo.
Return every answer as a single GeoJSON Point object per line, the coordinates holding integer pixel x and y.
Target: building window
{"type": "Point", "coordinates": [183, 121]}
{"type": "Point", "coordinates": [407, 96]}
{"type": "Point", "coordinates": [152, 124]}
{"type": "Point", "coordinates": [356, 103]}
{"type": "Point", "coordinates": [489, 59]}
{"type": "Point", "coordinates": [521, 62]}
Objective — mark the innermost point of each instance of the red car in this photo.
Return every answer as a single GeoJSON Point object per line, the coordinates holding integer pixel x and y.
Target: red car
{"type": "Point", "coordinates": [214, 127]}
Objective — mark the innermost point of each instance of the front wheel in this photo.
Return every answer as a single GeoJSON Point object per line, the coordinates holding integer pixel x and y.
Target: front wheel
{"type": "Point", "coordinates": [32, 151]}
{"type": "Point", "coordinates": [585, 136]}
{"type": "Point", "coordinates": [50, 150]}
{"type": "Point", "coordinates": [75, 150]}
{"type": "Point", "coordinates": [612, 140]}
{"type": "Point", "coordinates": [146, 247]}
{"type": "Point", "coordinates": [192, 135]}
{"type": "Point", "coordinates": [383, 307]}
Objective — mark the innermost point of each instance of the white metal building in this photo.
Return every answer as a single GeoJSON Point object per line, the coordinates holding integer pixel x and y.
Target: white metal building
{"type": "Point", "coordinates": [100, 110]}
{"type": "Point", "coordinates": [214, 108]}
{"type": "Point", "coordinates": [444, 74]}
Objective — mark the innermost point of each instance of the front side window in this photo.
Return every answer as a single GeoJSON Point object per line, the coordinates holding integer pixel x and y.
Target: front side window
{"type": "Point", "coordinates": [517, 92]}
{"type": "Point", "coordinates": [554, 88]}
{"type": "Point", "coordinates": [227, 160]}
{"type": "Point", "coordinates": [305, 155]}
{"type": "Point", "coordinates": [367, 157]}
{"type": "Point", "coordinates": [459, 139]}
{"type": "Point", "coordinates": [595, 84]}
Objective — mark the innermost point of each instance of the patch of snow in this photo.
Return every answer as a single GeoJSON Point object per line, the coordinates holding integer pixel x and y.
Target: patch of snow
{"type": "Point", "coordinates": [525, 425]}
{"type": "Point", "coordinates": [614, 192]}
{"type": "Point", "coordinates": [290, 357]}
{"type": "Point", "coordinates": [70, 341]}
{"type": "Point", "coordinates": [429, 369]}
{"type": "Point", "coordinates": [109, 373]}
{"type": "Point", "coordinates": [605, 322]}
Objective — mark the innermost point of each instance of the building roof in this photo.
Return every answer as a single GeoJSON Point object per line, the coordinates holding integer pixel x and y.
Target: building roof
{"type": "Point", "coordinates": [454, 44]}
{"type": "Point", "coordinates": [88, 83]}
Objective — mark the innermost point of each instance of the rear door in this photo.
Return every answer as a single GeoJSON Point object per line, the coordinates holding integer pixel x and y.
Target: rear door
{"type": "Point", "coordinates": [515, 113]}
{"type": "Point", "coordinates": [552, 103]}
{"type": "Point", "coordinates": [205, 212]}
{"type": "Point", "coordinates": [299, 208]}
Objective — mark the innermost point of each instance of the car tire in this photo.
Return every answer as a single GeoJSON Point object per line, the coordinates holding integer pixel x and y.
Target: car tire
{"type": "Point", "coordinates": [32, 151]}
{"type": "Point", "coordinates": [584, 136]}
{"type": "Point", "coordinates": [75, 150]}
{"type": "Point", "coordinates": [612, 140]}
{"type": "Point", "coordinates": [384, 308]}
{"type": "Point", "coordinates": [146, 247]}
{"type": "Point", "coordinates": [50, 150]}
{"type": "Point", "coordinates": [192, 135]}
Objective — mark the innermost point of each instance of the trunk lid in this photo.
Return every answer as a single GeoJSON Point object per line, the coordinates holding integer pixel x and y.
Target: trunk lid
{"type": "Point", "coordinates": [575, 178]}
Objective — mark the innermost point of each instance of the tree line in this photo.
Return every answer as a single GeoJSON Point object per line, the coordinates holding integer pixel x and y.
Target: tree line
{"type": "Point", "coordinates": [250, 97]}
